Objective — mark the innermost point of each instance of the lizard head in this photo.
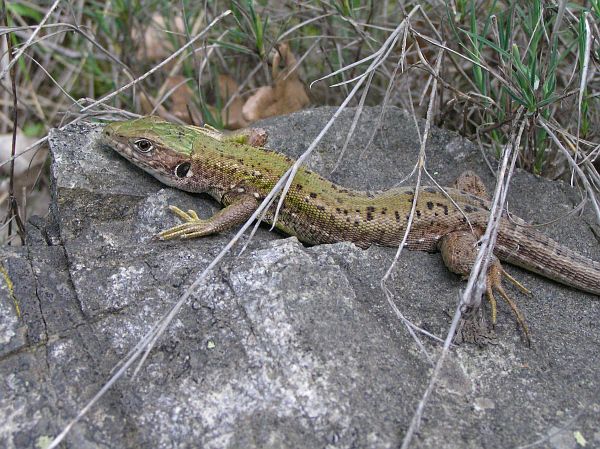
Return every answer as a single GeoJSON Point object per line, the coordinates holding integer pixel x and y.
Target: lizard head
{"type": "Point", "coordinates": [161, 148]}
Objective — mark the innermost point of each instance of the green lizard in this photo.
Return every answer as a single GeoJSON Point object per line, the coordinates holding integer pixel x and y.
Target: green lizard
{"type": "Point", "coordinates": [240, 175]}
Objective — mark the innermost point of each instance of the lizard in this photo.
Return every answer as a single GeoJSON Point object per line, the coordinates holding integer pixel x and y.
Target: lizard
{"type": "Point", "coordinates": [239, 173]}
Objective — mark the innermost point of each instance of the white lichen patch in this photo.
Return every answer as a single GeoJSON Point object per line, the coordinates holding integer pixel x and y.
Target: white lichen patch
{"type": "Point", "coordinates": [13, 416]}
{"type": "Point", "coordinates": [8, 323]}
{"type": "Point", "coordinates": [127, 281]}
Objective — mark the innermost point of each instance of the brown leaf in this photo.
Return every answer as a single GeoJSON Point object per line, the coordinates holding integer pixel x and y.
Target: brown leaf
{"type": "Point", "coordinates": [285, 96]}
{"type": "Point", "coordinates": [232, 115]}
{"type": "Point", "coordinates": [179, 101]}
{"type": "Point", "coordinates": [156, 44]}
{"type": "Point", "coordinates": [182, 105]}
{"type": "Point", "coordinates": [24, 162]}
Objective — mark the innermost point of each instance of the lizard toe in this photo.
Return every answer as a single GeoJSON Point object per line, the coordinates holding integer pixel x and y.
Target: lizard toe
{"type": "Point", "coordinates": [494, 283]}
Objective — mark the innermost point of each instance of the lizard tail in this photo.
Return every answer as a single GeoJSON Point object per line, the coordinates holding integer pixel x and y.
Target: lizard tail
{"type": "Point", "coordinates": [527, 248]}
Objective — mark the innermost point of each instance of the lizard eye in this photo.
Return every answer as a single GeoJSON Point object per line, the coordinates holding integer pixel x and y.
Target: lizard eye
{"type": "Point", "coordinates": [143, 145]}
{"type": "Point", "coordinates": [182, 169]}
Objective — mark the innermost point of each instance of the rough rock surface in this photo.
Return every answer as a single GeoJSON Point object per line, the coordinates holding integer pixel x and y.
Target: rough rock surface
{"type": "Point", "coordinates": [284, 346]}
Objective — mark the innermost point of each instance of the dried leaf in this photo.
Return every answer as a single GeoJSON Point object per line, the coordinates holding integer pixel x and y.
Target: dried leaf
{"type": "Point", "coordinates": [156, 46]}
{"type": "Point", "coordinates": [27, 161]}
{"type": "Point", "coordinates": [181, 102]}
{"type": "Point", "coordinates": [285, 96]}
{"type": "Point", "coordinates": [231, 115]}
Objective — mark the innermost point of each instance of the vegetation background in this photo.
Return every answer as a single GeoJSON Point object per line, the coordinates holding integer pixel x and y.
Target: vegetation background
{"type": "Point", "coordinates": [499, 66]}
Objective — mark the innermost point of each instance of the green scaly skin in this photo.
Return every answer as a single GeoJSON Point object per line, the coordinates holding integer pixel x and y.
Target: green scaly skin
{"type": "Point", "coordinates": [318, 211]}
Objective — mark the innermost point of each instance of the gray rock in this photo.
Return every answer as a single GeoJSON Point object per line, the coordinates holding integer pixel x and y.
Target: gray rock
{"type": "Point", "coordinates": [284, 346]}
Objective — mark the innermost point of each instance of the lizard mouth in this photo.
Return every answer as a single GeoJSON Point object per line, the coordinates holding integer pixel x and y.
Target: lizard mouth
{"type": "Point", "coordinates": [117, 146]}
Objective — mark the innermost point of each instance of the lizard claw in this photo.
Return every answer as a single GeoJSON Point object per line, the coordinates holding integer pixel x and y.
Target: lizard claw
{"type": "Point", "coordinates": [192, 226]}
{"type": "Point", "coordinates": [494, 282]}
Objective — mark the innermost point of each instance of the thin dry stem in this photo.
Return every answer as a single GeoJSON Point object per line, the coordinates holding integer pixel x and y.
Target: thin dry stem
{"type": "Point", "coordinates": [27, 44]}
{"type": "Point", "coordinates": [575, 167]}
{"type": "Point", "coordinates": [475, 285]}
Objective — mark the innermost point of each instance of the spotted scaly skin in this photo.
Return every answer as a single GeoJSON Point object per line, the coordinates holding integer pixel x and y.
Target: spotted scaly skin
{"type": "Point", "coordinates": [317, 211]}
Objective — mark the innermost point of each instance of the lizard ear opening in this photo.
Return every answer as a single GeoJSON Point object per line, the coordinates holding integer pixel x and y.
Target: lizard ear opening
{"type": "Point", "coordinates": [182, 169]}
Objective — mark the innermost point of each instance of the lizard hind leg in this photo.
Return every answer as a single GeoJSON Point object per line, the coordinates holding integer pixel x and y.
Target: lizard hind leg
{"type": "Point", "coordinates": [470, 182]}
{"type": "Point", "coordinates": [459, 250]}
{"type": "Point", "coordinates": [494, 282]}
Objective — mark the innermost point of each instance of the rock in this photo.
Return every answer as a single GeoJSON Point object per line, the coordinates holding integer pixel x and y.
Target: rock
{"type": "Point", "coordinates": [285, 345]}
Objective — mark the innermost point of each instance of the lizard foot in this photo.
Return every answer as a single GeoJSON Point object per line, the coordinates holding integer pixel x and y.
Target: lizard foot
{"type": "Point", "coordinates": [494, 282]}
{"type": "Point", "coordinates": [459, 250]}
{"type": "Point", "coordinates": [192, 226]}
{"type": "Point", "coordinates": [238, 208]}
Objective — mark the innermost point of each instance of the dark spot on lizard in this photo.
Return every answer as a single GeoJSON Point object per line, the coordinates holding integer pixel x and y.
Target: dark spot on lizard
{"type": "Point", "coordinates": [313, 195]}
{"type": "Point", "coordinates": [397, 215]}
{"type": "Point", "coordinates": [429, 205]}
{"type": "Point", "coordinates": [298, 186]}
{"type": "Point", "coordinates": [320, 207]}
{"type": "Point", "coordinates": [356, 222]}
{"type": "Point", "coordinates": [383, 211]}
{"type": "Point", "coordinates": [338, 210]}
{"type": "Point", "coordinates": [430, 190]}
{"type": "Point", "coordinates": [369, 216]}
{"type": "Point", "coordinates": [308, 172]}
{"type": "Point", "coordinates": [370, 209]}
{"type": "Point", "coordinates": [469, 208]}
{"type": "Point", "coordinates": [443, 206]}
{"type": "Point", "coordinates": [358, 210]}
{"type": "Point", "coordinates": [345, 211]}
{"type": "Point", "coordinates": [418, 213]}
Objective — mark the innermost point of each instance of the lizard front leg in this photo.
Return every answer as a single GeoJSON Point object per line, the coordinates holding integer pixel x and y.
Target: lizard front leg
{"type": "Point", "coordinates": [238, 208]}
